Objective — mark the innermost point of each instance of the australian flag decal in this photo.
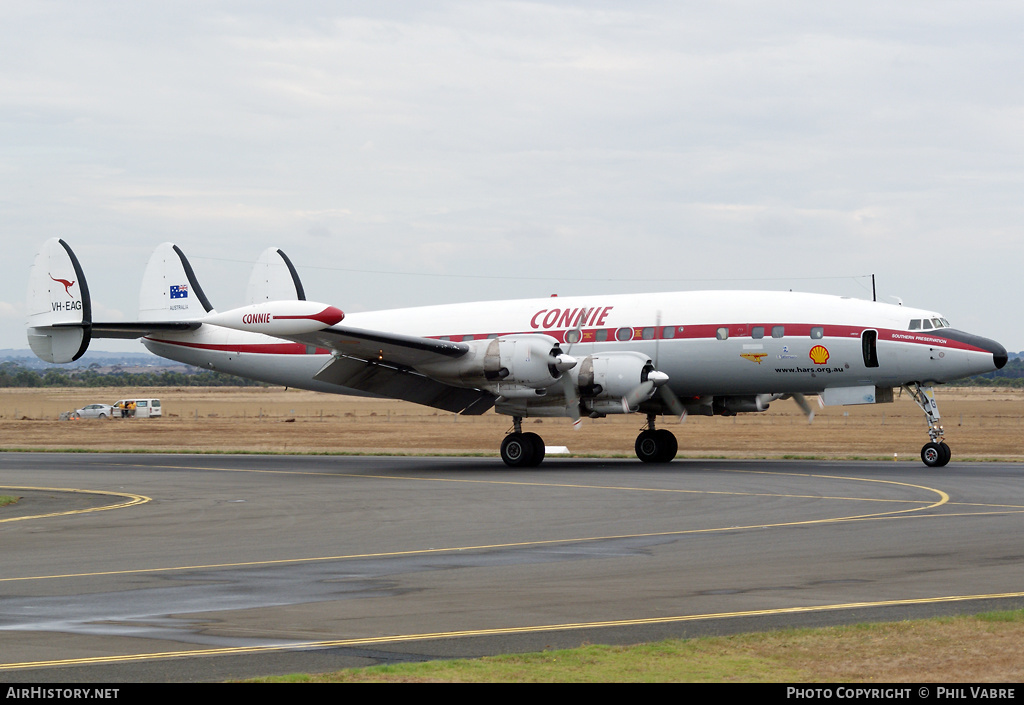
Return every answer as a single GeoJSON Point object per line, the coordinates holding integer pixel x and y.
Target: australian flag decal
{"type": "Point", "coordinates": [179, 292]}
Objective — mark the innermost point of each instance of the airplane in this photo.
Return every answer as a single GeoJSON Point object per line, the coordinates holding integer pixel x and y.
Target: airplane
{"type": "Point", "coordinates": [660, 354]}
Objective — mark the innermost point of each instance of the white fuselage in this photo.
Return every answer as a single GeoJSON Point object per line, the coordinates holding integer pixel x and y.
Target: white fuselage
{"type": "Point", "coordinates": [707, 342]}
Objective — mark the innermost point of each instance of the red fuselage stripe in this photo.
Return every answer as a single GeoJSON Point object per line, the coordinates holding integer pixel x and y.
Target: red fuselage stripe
{"type": "Point", "coordinates": [693, 332]}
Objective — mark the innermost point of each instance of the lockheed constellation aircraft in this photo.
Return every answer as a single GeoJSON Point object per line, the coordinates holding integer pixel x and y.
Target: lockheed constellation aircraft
{"type": "Point", "coordinates": [696, 352]}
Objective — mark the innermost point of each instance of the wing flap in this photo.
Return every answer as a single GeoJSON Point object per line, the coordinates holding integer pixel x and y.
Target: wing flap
{"type": "Point", "coordinates": [406, 384]}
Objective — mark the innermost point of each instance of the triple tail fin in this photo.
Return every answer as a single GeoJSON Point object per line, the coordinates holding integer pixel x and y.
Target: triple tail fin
{"type": "Point", "coordinates": [59, 308]}
{"type": "Point", "coordinates": [60, 324]}
{"type": "Point", "coordinates": [170, 290]}
{"type": "Point", "coordinates": [274, 279]}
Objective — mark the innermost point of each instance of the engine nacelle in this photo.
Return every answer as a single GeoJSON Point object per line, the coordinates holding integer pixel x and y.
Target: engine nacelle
{"type": "Point", "coordinates": [612, 375]}
{"type": "Point", "coordinates": [513, 361]}
{"type": "Point", "coordinates": [730, 406]}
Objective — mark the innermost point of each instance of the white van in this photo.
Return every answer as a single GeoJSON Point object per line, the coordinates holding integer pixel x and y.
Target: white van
{"type": "Point", "coordinates": [144, 408]}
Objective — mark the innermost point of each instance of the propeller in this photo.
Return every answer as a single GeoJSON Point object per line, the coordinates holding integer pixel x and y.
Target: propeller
{"type": "Point", "coordinates": [801, 401]}
{"type": "Point", "coordinates": [764, 399]}
{"type": "Point", "coordinates": [572, 397]}
{"type": "Point", "coordinates": [643, 391]}
{"type": "Point", "coordinates": [669, 398]}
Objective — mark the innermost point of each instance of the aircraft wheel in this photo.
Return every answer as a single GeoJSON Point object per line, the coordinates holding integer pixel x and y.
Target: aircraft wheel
{"type": "Point", "coordinates": [646, 447]}
{"type": "Point", "coordinates": [936, 455]}
{"type": "Point", "coordinates": [539, 448]}
{"type": "Point", "coordinates": [947, 453]}
{"type": "Point", "coordinates": [517, 451]}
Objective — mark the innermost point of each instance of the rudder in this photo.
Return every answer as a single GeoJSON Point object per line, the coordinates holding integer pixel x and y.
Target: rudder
{"type": "Point", "coordinates": [59, 309]}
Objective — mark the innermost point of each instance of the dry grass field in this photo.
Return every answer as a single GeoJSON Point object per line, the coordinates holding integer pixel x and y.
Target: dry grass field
{"type": "Point", "coordinates": [981, 424]}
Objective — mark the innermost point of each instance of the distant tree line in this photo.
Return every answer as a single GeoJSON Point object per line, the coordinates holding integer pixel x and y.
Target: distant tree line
{"type": "Point", "coordinates": [1012, 375]}
{"type": "Point", "coordinates": [14, 375]}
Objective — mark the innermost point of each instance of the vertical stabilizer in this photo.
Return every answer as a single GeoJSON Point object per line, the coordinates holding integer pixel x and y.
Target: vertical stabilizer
{"type": "Point", "coordinates": [274, 279]}
{"type": "Point", "coordinates": [170, 290]}
{"type": "Point", "coordinates": [59, 309]}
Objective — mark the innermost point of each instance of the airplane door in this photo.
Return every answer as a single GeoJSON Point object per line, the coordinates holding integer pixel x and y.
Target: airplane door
{"type": "Point", "coordinates": [869, 347]}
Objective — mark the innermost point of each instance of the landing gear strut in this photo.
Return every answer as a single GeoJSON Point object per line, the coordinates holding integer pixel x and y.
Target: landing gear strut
{"type": "Point", "coordinates": [655, 445]}
{"type": "Point", "coordinates": [935, 453]}
{"type": "Point", "coordinates": [522, 450]}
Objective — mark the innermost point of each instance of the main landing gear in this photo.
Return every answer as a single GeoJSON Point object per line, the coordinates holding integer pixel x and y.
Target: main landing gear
{"type": "Point", "coordinates": [522, 450]}
{"type": "Point", "coordinates": [655, 445]}
{"type": "Point", "coordinates": [935, 453]}
{"type": "Point", "coordinates": [526, 450]}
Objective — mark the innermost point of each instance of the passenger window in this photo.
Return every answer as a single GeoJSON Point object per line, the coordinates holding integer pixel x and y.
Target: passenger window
{"type": "Point", "coordinates": [668, 332]}
{"type": "Point", "coordinates": [757, 332]}
{"type": "Point", "coordinates": [817, 333]}
{"type": "Point", "coordinates": [778, 331]}
{"type": "Point", "coordinates": [572, 336]}
{"type": "Point", "coordinates": [647, 334]}
{"type": "Point", "coordinates": [723, 333]}
{"type": "Point", "coordinates": [601, 335]}
{"type": "Point", "coordinates": [624, 334]}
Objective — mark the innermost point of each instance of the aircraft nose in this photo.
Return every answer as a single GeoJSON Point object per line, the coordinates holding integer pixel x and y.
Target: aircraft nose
{"type": "Point", "coordinates": [999, 356]}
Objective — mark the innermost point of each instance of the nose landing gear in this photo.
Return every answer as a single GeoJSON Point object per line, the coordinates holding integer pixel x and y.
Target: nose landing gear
{"type": "Point", "coordinates": [936, 453]}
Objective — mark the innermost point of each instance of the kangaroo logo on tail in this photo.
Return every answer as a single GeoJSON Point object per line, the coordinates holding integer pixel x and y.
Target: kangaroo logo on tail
{"type": "Point", "coordinates": [66, 283]}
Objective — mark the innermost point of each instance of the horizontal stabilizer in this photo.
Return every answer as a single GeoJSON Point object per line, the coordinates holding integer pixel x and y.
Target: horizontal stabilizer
{"type": "Point", "coordinates": [274, 279]}
{"type": "Point", "coordinates": [59, 309]}
{"type": "Point", "coordinates": [139, 329]}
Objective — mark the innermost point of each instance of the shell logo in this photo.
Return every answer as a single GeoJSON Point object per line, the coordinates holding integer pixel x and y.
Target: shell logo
{"type": "Point", "coordinates": [818, 354]}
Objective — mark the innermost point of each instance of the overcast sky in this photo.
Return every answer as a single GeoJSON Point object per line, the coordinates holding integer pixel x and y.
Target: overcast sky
{"type": "Point", "coordinates": [417, 153]}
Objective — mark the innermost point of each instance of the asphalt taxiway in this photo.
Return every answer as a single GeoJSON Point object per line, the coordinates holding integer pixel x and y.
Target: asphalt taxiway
{"type": "Point", "coordinates": [121, 568]}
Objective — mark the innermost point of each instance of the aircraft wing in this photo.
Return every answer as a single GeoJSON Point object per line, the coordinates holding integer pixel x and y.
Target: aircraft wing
{"type": "Point", "coordinates": [379, 346]}
{"type": "Point", "coordinates": [383, 363]}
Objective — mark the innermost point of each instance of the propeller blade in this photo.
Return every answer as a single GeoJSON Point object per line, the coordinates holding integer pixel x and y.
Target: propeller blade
{"type": "Point", "coordinates": [801, 401]}
{"type": "Point", "coordinates": [572, 401]}
{"type": "Point", "coordinates": [640, 393]}
{"type": "Point", "coordinates": [669, 398]}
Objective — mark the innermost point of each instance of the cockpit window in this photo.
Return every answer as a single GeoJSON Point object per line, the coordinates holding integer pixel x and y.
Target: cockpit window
{"type": "Point", "coordinates": [928, 323]}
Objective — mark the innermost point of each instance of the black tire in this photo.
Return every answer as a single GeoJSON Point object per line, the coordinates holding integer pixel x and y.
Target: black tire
{"type": "Point", "coordinates": [647, 447]}
{"type": "Point", "coordinates": [936, 455]}
{"type": "Point", "coordinates": [517, 451]}
{"type": "Point", "coordinates": [947, 454]}
{"type": "Point", "coordinates": [669, 444]}
{"type": "Point", "coordinates": [539, 448]}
